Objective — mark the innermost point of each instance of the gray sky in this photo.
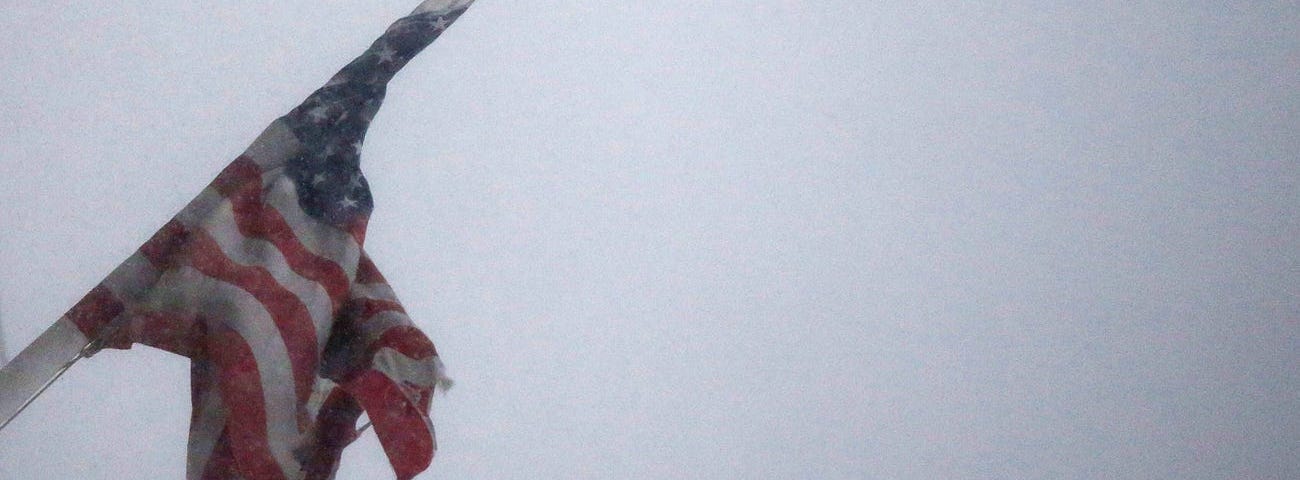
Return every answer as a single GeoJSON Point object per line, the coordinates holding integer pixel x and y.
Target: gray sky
{"type": "Point", "coordinates": [728, 240]}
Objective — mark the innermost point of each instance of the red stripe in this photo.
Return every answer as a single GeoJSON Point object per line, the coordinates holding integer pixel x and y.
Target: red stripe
{"type": "Point", "coordinates": [402, 429]}
{"type": "Point", "coordinates": [357, 228]}
{"type": "Point", "coordinates": [407, 340]}
{"type": "Point", "coordinates": [367, 272]}
{"type": "Point", "coordinates": [94, 311]}
{"type": "Point", "coordinates": [178, 334]}
{"type": "Point", "coordinates": [238, 173]}
{"type": "Point", "coordinates": [288, 312]}
{"type": "Point", "coordinates": [257, 220]}
{"type": "Point", "coordinates": [161, 249]}
{"type": "Point", "coordinates": [241, 391]}
{"type": "Point", "coordinates": [369, 307]}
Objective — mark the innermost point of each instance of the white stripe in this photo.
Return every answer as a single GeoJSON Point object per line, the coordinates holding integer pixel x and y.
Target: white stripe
{"type": "Point", "coordinates": [260, 253]}
{"type": "Point", "coordinates": [200, 207]}
{"type": "Point", "coordinates": [444, 381]}
{"type": "Point", "coordinates": [319, 393]}
{"type": "Point", "coordinates": [373, 291]}
{"type": "Point", "coordinates": [274, 146]}
{"type": "Point", "coordinates": [403, 369]}
{"type": "Point", "coordinates": [375, 326]}
{"type": "Point", "coordinates": [177, 291]}
{"type": "Point", "coordinates": [132, 278]}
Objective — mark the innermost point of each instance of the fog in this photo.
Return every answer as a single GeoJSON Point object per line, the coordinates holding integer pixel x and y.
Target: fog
{"type": "Point", "coordinates": [728, 240]}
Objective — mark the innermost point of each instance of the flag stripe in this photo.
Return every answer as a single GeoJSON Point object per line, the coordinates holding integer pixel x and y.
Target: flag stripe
{"type": "Point", "coordinates": [374, 291]}
{"type": "Point", "coordinates": [357, 229]}
{"type": "Point", "coordinates": [273, 146]}
{"type": "Point", "coordinates": [132, 278]}
{"type": "Point", "coordinates": [94, 311]}
{"type": "Point", "coordinates": [367, 308]}
{"type": "Point", "coordinates": [369, 329]}
{"type": "Point", "coordinates": [407, 340]}
{"type": "Point", "coordinates": [238, 174]}
{"type": "Point", "coordinates": [161, 248]}
{"type": "Point", "coordinates": [176, 333]}
{"type": "Point", "coordinates": [367, 272]}
{"type": "Point", "coordinates": [415, 377]}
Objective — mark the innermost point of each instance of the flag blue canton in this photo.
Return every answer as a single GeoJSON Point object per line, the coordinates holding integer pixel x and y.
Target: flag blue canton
{"type": "Point", "coordinates": [331, 124]}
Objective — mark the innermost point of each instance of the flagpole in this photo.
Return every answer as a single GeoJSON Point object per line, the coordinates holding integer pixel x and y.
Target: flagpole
{"type": "Point", "coordinates": [36, 367]}
{"type": "Point", "coordinates": [83, 353]}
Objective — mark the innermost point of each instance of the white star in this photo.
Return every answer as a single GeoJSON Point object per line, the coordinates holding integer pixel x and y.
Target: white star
{"type": "Point", "coordinates": [348, 203]}
{"type": "Point", "coordinates": [356, 146]}
{"type": "Point", "coordinates": [355, 183]}
{"type": "Point", "coordinates": [318, 114]}
{"type": "Point", "coordinates": [387, 54]}
{"type": "Point", "coordinates": [318, 178]}
{"type": "Point", "coordinates": [441, 24]}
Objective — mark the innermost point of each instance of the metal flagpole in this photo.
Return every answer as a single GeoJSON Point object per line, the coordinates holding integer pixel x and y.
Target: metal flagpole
{"type": "Point", "coordinates": [85, 351]}
{"type": "Point", "coordinates": [29, 374]}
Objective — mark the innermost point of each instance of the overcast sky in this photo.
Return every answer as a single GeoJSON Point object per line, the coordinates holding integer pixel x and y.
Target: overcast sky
{"type": "Point", "coordinates": [762, 239]}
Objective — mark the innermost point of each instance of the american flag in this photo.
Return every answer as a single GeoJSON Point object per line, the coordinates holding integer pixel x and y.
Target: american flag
{"type": "Point", "coordinates": [263, 282]}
